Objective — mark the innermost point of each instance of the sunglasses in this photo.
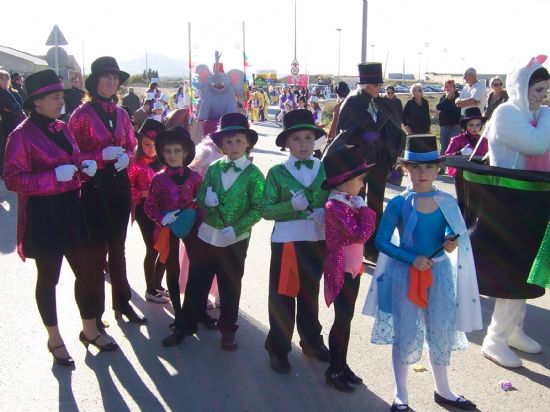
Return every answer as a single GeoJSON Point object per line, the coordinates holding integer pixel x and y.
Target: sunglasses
{"type": "Point", "coordinates": [497, 84]}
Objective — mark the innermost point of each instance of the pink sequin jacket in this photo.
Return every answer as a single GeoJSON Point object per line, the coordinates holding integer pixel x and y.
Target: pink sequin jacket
{"type": "Point", "coordinates": [29, 168]}
{"type": "Point", "coordinates": [92, 136]}
{"type": "Point", "coordinates": [344, 225]}
{"type": "Point", "coordinates": [462, 140]}
{"type": "Point", "coordinates": [141, 175]}
{"type": "Point", "coordinates": [165, 195]}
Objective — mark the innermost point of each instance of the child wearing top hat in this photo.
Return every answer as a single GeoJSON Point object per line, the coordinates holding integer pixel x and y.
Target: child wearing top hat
{"type": "Point", "coordinates": [466, 142]}
{"type": "Point", "coordinates": [294, 199]}
{"type": "Point", "coordinates": [349, 223]}
{"type": "Point", "coordinates": [141, 174]}
{"type": "Point", "coordinates": [172, 192]}
{"type": "Point", "coordinates": [417, 295]}
{"type": "Point", "coordinates": [231, 196]}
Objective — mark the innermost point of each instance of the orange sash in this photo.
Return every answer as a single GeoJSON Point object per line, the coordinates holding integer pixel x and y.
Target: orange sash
{"type": "Point", "coordinates": [419, 283]}
{"type": "Point", "coordinates": [289, 278]}
{"type": "Point", "coordinates": [162, 245]}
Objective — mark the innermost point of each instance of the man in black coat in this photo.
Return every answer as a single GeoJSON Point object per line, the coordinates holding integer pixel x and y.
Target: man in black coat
{"type": "Point", "coordinates": [131, 101]}
{"type": "Point", "coordinates": [366, 122]}
{"type": "Point", "coordinates": [73, 96]}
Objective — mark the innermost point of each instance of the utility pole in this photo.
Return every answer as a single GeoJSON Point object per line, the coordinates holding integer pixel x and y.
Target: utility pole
{"type": "Point", "coordinates": [339, 48]}
{"type": "Point", "coordinates": [364, 32]}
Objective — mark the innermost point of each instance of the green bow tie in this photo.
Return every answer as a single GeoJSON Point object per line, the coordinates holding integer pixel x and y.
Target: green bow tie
{"type": "Point", "coordinates": [307, 163]}
{"type": "Point", "coordinates": [227, 166]}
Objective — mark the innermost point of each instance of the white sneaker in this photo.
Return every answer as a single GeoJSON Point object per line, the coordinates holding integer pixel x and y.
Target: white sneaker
{"type": "Point", "coordinates": [520, 341]}
{"type": "Point", "coordinates": [158, 298]}
{"type": "Point", "coordinates": [502, 355]}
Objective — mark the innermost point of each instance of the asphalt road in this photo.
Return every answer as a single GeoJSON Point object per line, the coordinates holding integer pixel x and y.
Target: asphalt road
{"type": "Point", "coordinates": [198, 375]}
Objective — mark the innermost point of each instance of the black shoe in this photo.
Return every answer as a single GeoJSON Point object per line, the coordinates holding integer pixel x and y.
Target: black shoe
{"type": "Point", "coordinates": [210, 323]}
{"type": "Point", "coordinates": [351, 376]}
{"type": "Point", "coordinates": [318, 351]}
{"type": "Point", "coordinates": [132, 316]}
{"type": "Point", "coordinates": [229, 342]}
{"type": "Point", "coordinates": [461, 402]}
{"type": "Point", "coordinates": [66, 361]}
{"type": "Point", "coordinates": [279, 364]}
{"type": "Point", "coordinates": [398, 407]}
{"type": "Point", "coordinates": [106, 347]}
{"type": "Point", "coordinates": [339, 381]}
{"type": "Point", "coordinates": [176, 336]}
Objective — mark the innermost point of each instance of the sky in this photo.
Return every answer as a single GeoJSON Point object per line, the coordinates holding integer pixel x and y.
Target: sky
{"type": "Point", "coordinates": [424, 35]}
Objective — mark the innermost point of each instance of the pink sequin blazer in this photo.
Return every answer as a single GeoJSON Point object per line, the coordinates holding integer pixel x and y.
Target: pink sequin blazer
{"type": "Point", "coordinates": [29, 168]}
{"type": "Point", "coordinates": [344, 225]}
{"type": "Point", "coordinates": [92, 136]}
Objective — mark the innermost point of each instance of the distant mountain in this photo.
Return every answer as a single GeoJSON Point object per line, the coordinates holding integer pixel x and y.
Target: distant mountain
{"type": "Point", "coordinates": [166, 66]}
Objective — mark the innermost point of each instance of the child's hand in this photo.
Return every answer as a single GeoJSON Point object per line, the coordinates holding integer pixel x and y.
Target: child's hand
{"type": "Point", "coordinates": [318, 216]}
{"type": "Point", "coordinates": [450, 245]}
{"type": "Point", "coordinates": [422, 263]}
{"type": "Point", "coordinates": [169, 218]}
{"type": "Point", "coordinates": [211, 198]}
{"type": "Point", "coordinates": [299, 201]}
{"type": "Point", "coordinates": [228, 233]}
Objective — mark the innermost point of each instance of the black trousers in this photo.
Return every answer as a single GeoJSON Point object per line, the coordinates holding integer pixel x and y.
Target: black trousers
{"type": "Point", "coordinates": [282, 309]}
{"type": "Point", "coordinates": [152, 266]}
{"type": "Point", "coordinates": [376, 187]}
{"type": "Point", "coordinates": [85, 289]}
{"type": "Point", "coordinates": [107, 202]}
{"type": "Point", "coordinates": [173, 274]}
{"type": "Point", "coordinates": [228, 264]}
{"type": "Point", "coordinates": [338, 339]}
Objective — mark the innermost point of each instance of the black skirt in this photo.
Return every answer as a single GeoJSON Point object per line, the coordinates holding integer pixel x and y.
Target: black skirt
{"type": "Point", "coordinates": [55, 225]}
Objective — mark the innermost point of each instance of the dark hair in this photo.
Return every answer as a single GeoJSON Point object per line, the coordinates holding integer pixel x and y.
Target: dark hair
{"type": "Point", "coordinates": [539, 75]}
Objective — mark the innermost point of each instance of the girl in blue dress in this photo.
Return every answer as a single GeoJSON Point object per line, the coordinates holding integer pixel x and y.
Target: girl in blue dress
{"type": "Point", "coordinates": [419, 295]}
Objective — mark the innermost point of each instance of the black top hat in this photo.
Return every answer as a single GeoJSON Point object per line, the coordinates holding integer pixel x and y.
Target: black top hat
{"type": "Point", "coordinates": [342, 89]}
{"type": "Point", "coordinates": [178, 135]}
{"type": "Point", "coordinates": [342, 165]}
{"type": "Point", "coordinates": [42, 83]}
{"type": "Point", "coordinates": [14, 76]}
{"type": "Point", "coordinates": [102, 65]}
{"type": "Point", "coordinates": [421, 148]}
{"type": "Point", "coordinates": [370, 73]}
{"type": "Point", "coordinates": [296, 120]}
{"type": "Point", "coordinates": [151, 128]}
{"type": "Point", "coordinates": [472, 113]}
{"type": "Point", "coordinates": [234, 123]}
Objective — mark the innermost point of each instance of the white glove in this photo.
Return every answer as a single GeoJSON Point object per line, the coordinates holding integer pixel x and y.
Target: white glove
{"type": "Point", "coordinates": [211, 198]}
{"type": "Point", "coordinates": [228, 233]}
{"type": "Point", "coordinates": [65, 173]}
{"type": "Point", "coordinates": [299, 201]}
{"type": "Point", "coordinates": [122, 162]}
{"type": "Point", "coordinates": [318, 216]}
{"type": "Point", "coordinates": [466, 151]}
{"type": "Point", "coordinates": [111, 152]}
{"type": "Point", "coordinates": [358, 202]}
{"type": "Point", "coordinates": [89, 167]}
{"type": "Point", "coordinates": [169, 217]}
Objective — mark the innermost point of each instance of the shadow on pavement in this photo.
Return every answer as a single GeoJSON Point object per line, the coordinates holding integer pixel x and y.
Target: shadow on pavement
{"type": "Point", "coordinates": [198, 375]}
{"type": "Point", "coordinates": [273, 152]}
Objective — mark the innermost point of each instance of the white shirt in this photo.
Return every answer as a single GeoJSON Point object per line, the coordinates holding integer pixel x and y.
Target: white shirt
{"type": "Point", "coordinates": [477, 91]}
{"type": "Point", "coordinates": [302, 229]}
{"type": "Point", "coordinates": [210, 234]}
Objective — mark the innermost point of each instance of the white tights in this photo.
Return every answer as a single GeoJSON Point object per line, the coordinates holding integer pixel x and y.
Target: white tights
{"type": "Point", "coordinates": [400, 371]}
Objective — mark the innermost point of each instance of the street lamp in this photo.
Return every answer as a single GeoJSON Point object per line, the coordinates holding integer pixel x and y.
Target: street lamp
{"type": "Point", "coordinates": [372, 52]}
{"type": "Point", "coordinates": [426, 45]}
{"type": "Point", "coordinates": [339, 43]}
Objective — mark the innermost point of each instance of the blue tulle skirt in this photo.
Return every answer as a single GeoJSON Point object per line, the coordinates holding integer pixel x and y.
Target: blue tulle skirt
{"type": "Point", "coordinates": [407, 326]}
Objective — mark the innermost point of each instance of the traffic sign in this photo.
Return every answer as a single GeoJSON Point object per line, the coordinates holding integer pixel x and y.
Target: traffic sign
{"type": "Point", "coordinates": [62, 57]}
{"type": "Point", "coordinates": [294, 70]}
{"type": "Point", "coordinates": [56, 38]}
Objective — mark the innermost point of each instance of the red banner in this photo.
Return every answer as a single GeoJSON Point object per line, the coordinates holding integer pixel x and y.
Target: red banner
{"type": "Point", "coordinates": [301, 80]}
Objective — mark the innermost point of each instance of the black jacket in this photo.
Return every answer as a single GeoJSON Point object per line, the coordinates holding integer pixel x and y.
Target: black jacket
{"type": "Point", "coordinates": [449, 113]}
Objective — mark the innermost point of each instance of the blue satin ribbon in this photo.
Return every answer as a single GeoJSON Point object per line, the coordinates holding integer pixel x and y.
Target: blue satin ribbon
{"type": "Point", "coordinates": [420, 157]}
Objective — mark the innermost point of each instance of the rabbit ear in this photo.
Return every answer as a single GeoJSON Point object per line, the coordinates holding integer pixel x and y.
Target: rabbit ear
{"type": "Point", "coordinates": [541, 58]}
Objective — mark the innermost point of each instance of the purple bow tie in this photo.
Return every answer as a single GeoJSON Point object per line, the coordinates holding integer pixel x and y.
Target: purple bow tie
{"type": "Point", "coordinates": [55, 126]}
